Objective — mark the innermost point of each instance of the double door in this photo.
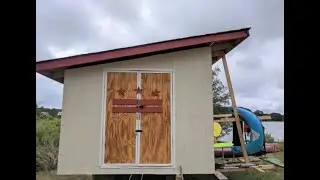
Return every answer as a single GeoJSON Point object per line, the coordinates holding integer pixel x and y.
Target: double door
{"type": "Point", "coordinates": [138, 118]}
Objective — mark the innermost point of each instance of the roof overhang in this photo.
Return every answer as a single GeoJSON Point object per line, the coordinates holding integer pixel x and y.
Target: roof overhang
{"type": "Point", "coordinates": [221, 43]}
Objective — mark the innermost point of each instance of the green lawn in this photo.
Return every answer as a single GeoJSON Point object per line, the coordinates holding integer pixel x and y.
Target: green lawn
{"type": "Point", "coordinates": [276, 174]}
{"type": "Point", "coordinates": [53, 176]}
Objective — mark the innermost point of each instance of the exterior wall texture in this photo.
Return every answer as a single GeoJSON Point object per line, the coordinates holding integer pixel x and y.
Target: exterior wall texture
{"type": "Point", "coordinates": [81, 127]}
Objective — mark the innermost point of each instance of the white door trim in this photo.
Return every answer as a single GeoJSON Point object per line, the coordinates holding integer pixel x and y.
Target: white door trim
{"type": "Point", "coordinates": [103, 122]}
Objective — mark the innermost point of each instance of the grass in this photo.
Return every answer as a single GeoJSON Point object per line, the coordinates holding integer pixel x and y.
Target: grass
{"type": "Point", "coordinates": [52, 175]}
{"type": "Point", "coordinates": [276, 174]}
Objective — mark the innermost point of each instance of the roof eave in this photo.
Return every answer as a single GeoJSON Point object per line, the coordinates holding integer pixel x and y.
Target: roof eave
{"type": "Point", "coordinates": [60, 64]}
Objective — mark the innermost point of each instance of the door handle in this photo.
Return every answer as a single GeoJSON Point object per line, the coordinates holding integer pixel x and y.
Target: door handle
{"type": "Point", "coordinates": [139, 106]}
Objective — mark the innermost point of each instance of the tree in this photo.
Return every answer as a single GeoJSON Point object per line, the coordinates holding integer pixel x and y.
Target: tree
{"type": "Point", "coordinates": [38, 111]}
{"type": "Point", "coordinates": [258, 113]}
{"type": "Point", "coordinates": [220, 99]}
{"type": "Point", "coordinates": [276, 116]}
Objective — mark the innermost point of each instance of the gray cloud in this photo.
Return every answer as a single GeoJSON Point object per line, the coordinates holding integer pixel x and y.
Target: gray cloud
{"type": "Point", "coordinates": [250, 63]}
{"type": "Point", "coordinates": [258, 87]}
{"type": "Point", "coordinates": [281, 82]}
{"type": "Point", "coordinates": [48, 92]}
{"type": "Point", "coordinates": [71, 27]}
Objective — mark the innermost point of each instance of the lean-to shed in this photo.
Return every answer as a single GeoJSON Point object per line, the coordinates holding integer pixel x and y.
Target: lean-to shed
{"type": "Point", "coordinates": [140, 110]}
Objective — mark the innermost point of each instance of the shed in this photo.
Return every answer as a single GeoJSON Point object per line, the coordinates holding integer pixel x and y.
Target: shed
{"type": "Point", "coordinates": [144, 109]}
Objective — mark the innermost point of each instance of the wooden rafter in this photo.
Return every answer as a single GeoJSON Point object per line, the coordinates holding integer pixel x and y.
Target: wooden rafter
{"type": "Point", "coordinates": [222, 46]}
{"type": "Point", "coordinates": [229, 118]}
{"type": "Point", "coordinates": [217, 54]}
{"type": "Point", "coordinates": [229, 115]}
{"type": "Point", "coordinates": [235, 110]}
{"type": "Point", "coordinates": [252, 169]}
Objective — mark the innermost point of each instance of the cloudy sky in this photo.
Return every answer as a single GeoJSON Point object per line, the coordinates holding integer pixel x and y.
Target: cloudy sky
{"type": "Point", "coordinates": [69, 27]}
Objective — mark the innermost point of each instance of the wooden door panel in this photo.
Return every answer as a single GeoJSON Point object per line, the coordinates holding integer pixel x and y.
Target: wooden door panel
{"type": "Point", "coordinates": [120, 127]}
{"type": "Point", "coordinates": [155, 139]}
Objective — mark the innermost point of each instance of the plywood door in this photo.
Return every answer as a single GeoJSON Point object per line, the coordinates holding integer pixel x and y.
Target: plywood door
{"type": "Point", "coordinates": [120, 141]}
{"type": "Point", "coordinates": [155, 138]}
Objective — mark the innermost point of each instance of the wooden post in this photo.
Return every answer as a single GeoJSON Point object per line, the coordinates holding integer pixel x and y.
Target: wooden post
{"type": "Point", "coordinates": [219, 175]}
{"type": "Point", "coordinates": [235, 110]}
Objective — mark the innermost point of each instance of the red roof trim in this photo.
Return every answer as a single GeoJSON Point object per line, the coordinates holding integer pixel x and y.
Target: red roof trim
{"type": "Point", "coordinates": [139, 50]}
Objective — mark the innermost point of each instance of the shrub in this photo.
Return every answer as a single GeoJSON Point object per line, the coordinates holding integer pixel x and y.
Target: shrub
{"type": "Point", "coordinates": [269, 138]}
{"type": "Point", "coordinates": [47, 143]}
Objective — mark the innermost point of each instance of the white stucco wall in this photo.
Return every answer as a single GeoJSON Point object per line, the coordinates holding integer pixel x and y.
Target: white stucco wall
{"type": "Point", "coordinates": [80, 140]}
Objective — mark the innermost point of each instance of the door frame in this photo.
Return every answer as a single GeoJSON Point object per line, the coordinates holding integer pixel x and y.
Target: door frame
{"type": "Point", "coordinates": [104, 114]}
